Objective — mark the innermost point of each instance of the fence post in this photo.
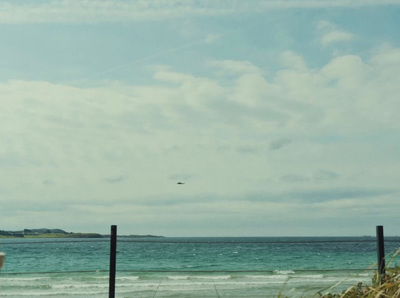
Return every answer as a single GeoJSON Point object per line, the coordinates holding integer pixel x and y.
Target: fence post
{"type": "Point", "coordinates": [113, 257]}
{"type": "Point", "coordinates": [381, 250]}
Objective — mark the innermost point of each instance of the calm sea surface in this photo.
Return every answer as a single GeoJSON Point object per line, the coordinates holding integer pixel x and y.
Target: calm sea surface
{"type": "Point", "coordinates": [188, 267]}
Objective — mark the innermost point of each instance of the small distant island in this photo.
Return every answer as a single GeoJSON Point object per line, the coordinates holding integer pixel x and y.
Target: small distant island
{"type": "Point", "coordinates": [58, 233]}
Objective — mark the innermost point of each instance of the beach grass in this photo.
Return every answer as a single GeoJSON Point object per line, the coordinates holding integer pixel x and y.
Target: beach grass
{"type": "Point", "coordinates": [382, 285]}
{"type": "Point", "coordinates": [385, 286]}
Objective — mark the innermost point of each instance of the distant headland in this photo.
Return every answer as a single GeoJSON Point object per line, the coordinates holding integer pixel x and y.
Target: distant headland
{"type": "Point", "coordinates": [58, 233]}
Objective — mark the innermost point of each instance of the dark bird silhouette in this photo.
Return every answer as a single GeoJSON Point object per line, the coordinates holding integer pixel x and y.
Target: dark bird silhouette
{"type": "Point", "coordinates": [181, 183]}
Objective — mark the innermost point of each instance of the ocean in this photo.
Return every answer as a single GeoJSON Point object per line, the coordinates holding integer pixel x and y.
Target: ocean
{"type": "Point", "coordinates": [189, 267]}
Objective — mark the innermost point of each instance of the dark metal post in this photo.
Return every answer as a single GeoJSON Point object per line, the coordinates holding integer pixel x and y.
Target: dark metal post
{"type": "Point", "coordinates": [113, 260]}
{"type": "Point", "coordinates": [381, 250]}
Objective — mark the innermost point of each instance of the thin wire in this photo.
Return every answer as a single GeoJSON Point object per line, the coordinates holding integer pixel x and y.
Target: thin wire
{"type": "Point", "coordinates": [216, 291]}
{"type": "Point", "coordinates": [192, 242]}
{"type": "Point", "coordinates": [253, 242]}
{"type": "Point", "coordinates": [202, 242]}
{"type": "Point", "coordinates": [155, 292]}
{"type": "Point", "coordinates": [54, 241]}
{"type": "Point", "coordinates": [53, 272]}
{"type": "Point", "coordinates": [240, 271]}
{"type": "Point", "coordinates": [184, 271]}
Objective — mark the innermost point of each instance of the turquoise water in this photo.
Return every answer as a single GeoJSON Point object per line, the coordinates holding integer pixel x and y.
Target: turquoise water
{"type": "Point", "coordinates": [187, 267]}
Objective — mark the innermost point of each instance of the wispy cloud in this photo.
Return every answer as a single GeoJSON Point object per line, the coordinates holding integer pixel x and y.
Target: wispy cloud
{"type": "Point", "coordinates": [336, 36]}
{"type": "Point", "coordinates": [294, 178]}
{"type": "Point", "coordinates": [115, 179]}
{"type": "Point", "coordinates": [317, 177]}
{"type": "Point", "coordinates": [317, 196]}
{"type": "Point", "coordinates": [279, 143]}
{"type": "Point", "coordinates": [271, 130]}
{"type": "Point", "coordinates": [325, 175]}
{"type": "Point", "coordinates": [236, 67]}
{"type": "Point", "coordinates": [181, 177]}
{"type": "Point", "coordinates": [96, 11]}
{"type": "Point", "coordinates": [331, 35]}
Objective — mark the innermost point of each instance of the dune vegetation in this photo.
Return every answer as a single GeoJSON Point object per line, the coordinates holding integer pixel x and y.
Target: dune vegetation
{"type": "Point", "coordinates": [382, 286]}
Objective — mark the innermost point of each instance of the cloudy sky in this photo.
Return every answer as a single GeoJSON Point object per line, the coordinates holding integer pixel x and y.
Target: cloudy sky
{"type": "Point", "coordinates": [281, 117]}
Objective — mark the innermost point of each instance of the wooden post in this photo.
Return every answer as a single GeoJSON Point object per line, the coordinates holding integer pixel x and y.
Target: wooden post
{"type": "Point", "coordinates": [113, 261]}
{"type": "Point", "coordinates": [381, 250]}
{"type": "Point", "coordinates": [2, 258]}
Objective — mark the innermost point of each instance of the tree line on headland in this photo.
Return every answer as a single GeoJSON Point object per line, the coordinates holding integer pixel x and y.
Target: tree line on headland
{"type": "Point", "coordinates": [46, 233]}
{"type": "Point", "coordinates": [58, 233]}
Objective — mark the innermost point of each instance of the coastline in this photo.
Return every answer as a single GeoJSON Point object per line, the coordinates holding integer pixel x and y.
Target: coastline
{"type": "Point", "coordinates": [58, 233]}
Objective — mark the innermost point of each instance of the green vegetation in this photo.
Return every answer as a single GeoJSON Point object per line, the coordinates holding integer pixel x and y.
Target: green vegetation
{"type": "Point", "coordinates": [58, 233]}
{"type": "Point", "coordinates": [46, 233]}
{"type": "Point", "coordinates": [69, 235]}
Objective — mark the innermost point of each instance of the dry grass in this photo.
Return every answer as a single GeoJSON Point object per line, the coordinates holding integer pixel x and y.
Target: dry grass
{"type": "Point", "coordinates": [388, 287]}
{"type": "Point", "coordinates": [384, 286]}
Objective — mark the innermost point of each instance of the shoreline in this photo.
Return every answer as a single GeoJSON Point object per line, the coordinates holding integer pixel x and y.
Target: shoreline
{"type": "Point", "coordinates": [58, 233]}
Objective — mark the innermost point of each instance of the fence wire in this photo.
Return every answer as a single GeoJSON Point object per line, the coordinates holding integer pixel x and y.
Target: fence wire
{"type": "Point", "coordinates": [200, 242]}
{"type": "Point", "coordinates": [184, 271]}
{"type": "Point", "coordinates": [166, 241]}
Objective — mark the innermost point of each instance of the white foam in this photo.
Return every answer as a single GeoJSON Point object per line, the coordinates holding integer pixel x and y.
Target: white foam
{"type": "Point", "coordinates": [51, 293]}
{"type": "Point", "coordinates": [316, 276]}
{"type": "Point", "coordinates": [23, 278]}
{"type": "Point", "coordinates": [138, 285]}
{"type": "Point", "coordinates": [362, 274]}
{"type": "Point", "coordinates": [178, 277]}
{"type": "Point", "coordinates": [212, 277]}
{"type": "Point", "coordinates": [79, 286]}
{"type": "Point", "coordinates": [96, 286]}
{"type": "Point", "coordinates": [284, 272]}
{"type": "Point", "coordinates": [266, 277]}
{"type": "Point", "coordinates": [130, 278]}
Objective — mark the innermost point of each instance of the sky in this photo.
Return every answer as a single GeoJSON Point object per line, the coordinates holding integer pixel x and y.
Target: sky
{"type": "Point", "coordinates": [281, 117]}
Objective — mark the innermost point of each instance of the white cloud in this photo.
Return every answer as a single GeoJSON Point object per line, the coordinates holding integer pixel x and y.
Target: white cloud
{"type": "Point", "coordinates": [336, 36]}
{"type": "Point", "coordinates": [348, 71]}
{"type": "Point", "coordinates": [66, 147]}
{"type": "Point", "coordinates": [237, 67]}
{"type": "Point", "coordinates": [331, 35]}
{"type": "Point", "coordinates": [292, 60]}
